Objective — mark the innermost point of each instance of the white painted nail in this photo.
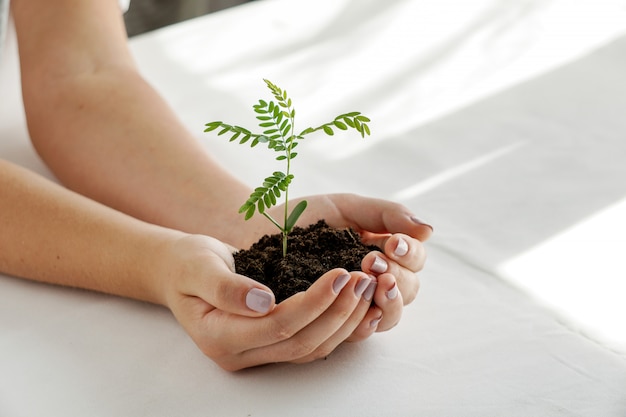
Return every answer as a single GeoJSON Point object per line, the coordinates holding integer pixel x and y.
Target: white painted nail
{"type": "Point", "coordinates": [340, 282]}
{"type": "Point", "coordinates": [393, 292]}
{"type": "Point", "coordinates": [259, 300]}
{"type": "Point", "coordinates": [418, 221]}
{"type": "Point", "coordinates": [361, 286]}
{"type": "Point", "coordinates": [379, 266]}
{"type": "Point", "coordinates": [369, 292]}
{"type": "Point", "coordinates": [402, 248]}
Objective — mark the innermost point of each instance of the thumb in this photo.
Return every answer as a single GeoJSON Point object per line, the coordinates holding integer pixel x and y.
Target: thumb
{"type": "Point", "coordinates": [210, 275]}
{"type": "Point", "coordinates": [236, 293]}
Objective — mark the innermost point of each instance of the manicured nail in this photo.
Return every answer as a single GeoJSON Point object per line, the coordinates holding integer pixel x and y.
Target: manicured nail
{"type": "Point", "coordinates": [362, 285]}
{"type": "Point", "coordinates": [369, 291]}
{"type": "Point", "coordinates": [393, 292]}
{"type": "Point", "coordinates": [375, 322]}
{"type": "Point", "coordinates": [418, 221]}
{"type": "Point", "coordinates": [379, 265]}
{"type": "Point", "coordinates": [259, 300]}
{"type": "Point", "coordinates": [402, 248]}
{"type": "Point", "coordinates": [340, 282]}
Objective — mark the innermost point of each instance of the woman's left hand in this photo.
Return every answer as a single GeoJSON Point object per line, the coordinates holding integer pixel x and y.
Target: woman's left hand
{"type": "Point", "coordinates": [390, 226]}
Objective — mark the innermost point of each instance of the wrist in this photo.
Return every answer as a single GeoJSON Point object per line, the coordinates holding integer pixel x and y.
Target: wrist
{"type": "Point", "coordinates": [160, 261]}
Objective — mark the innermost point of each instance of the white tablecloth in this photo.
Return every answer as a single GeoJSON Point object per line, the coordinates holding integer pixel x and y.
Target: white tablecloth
{"type": "Point", "coordinates": [501, 123]}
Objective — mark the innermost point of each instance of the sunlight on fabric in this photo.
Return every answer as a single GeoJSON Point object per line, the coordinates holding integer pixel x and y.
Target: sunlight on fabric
{"type": "Point", "coordinates": [450, 174]}
{"type": "Point", "coordinates": [581, 274]}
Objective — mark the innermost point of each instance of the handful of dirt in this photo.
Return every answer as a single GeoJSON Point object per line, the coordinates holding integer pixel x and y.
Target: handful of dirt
{"type": "Point", "coordinates": [311, 252]}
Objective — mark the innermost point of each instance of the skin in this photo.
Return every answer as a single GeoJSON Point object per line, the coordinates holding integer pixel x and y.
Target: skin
{"type": "Point", "coordinates": [146, 213]}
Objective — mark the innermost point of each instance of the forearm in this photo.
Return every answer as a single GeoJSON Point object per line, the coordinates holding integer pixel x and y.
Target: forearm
{"type": "Point", "coordinates": [112, 138]}
{"type": "Point", "coordinates": [105, 132]}
{"type": "Point", "coordinates": [53, 235]}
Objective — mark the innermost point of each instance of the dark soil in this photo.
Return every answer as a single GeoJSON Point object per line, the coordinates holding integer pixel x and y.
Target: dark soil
{"type": "Point", "coordinates": [311, 252]}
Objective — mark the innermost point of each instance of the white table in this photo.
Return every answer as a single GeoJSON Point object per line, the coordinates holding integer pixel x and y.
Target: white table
{"type": "Point", "coordinates": [501, 123]}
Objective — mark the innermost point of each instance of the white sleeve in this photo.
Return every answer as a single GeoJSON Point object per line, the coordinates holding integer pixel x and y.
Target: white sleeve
{"type": "Point", "coordinates": [124, 4]}
{"type": "Point", "coordinates": [4, 22]}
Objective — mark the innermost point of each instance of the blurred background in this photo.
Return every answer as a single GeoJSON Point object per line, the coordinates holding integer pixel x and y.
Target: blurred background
{"type": "Point", "coordinates": [146, 15]}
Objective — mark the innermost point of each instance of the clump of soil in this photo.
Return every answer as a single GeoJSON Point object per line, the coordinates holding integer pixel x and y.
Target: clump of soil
{"type": "Point", "coordinates": [311, 252]}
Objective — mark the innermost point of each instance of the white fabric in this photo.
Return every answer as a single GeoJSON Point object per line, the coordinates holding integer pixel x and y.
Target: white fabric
{"type": "Point", "coordinates": [501, 123]}
{"type": "Point", "coordinates": [4, 22]}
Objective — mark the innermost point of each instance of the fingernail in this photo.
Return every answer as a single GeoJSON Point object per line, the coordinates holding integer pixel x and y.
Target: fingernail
{"type": "Point", "coordinates": [418, 221]}
{"type": "Point", "coordinates": [340, 282]}
{"type": "Point", "coordinates": [375, 322]}
{"type": "Point", "coordinates": [393, 292]}
{"type": "Point", "coordinates": [362, 285]}
{"type": "Point", "coordinates": [402, 248]}
{"type": "Point", "coordinates": [379, 265]}
{"type": "Point", "coordinates": [369, 291]}
{"type": "Point", "coordinates": [259, 300]}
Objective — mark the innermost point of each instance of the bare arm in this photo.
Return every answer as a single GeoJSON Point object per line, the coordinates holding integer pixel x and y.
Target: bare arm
{"type": "Point", "coordinates": [105, 132]}
{"type": "Point", "coordinates": [53, 235]}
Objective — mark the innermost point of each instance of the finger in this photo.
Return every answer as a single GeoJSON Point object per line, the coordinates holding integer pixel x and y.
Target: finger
{"type": "Point", "coordinates": [367, 326]}
{"type": "Point", "coordinates": [287, 318]}
{"type": "Point", "coordinates": [347, 330]}
{"type": "Point", "coordinates": [399, 248]}
{"type": "Point", "coordinates": [389, 299]}
{"type": "Point", "coordinates": [382, 216]}
{"type": "Point", "coordinates": [231, 292]}
{"type": "Point", "coordinates": [206, 269]}
{"type": "Point", "coordinates": [306, 342]}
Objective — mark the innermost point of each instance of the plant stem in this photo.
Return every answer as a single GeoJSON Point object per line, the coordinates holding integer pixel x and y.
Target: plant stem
{"type": "Point", "coordinates": [270, 218]}
{"type": "Point", "coordinates": [288, 155]}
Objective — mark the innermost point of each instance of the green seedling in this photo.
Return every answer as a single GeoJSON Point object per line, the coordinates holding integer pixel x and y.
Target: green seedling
{"type": "Point", "coordinates": [277, 121]}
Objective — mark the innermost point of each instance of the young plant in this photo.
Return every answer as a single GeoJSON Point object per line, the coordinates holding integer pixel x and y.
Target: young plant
{"type": "Point", "coordinates": [277, 119]}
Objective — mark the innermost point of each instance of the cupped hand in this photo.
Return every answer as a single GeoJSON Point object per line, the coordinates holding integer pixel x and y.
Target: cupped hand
{"type": "Point", "coordinates": [394, 229]}
{"type": "Point", "coordinates": [235, 321]}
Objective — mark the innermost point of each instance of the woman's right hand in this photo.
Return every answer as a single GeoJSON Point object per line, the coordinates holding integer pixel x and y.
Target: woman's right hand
{"type": "Point", "coordinates": [234, 320]}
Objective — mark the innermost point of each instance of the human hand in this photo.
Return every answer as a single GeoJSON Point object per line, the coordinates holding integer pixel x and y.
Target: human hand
{"type": "Point", "coordinates": [388, 225]}
{"type": "Point", "coordinates": [234, 319]}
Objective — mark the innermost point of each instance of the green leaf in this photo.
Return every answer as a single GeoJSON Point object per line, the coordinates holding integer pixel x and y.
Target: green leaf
{"type": "Point", "coordinates": [328, 130]}
{"type": "Point", "coordinates": [212, 126]}
{"type": "Point", "coordinates": [245, 206]}
{"type": "Point", "coordinates": [281, 158]}
{"type": "Point", "coordinates": [267, 200]}
{"type": "Point", "coordinates": [349, 122]}
{"type": "Point", "coordinates": [285, 129]}
{"type": "Point", "coordinates": [358, 126]}
{"type": "Point", "coordinates": [295, 215]}
{"type": "Point", "coordinates": [250, 212]}
{"type": "Point", "coordinates": [340, 125]}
